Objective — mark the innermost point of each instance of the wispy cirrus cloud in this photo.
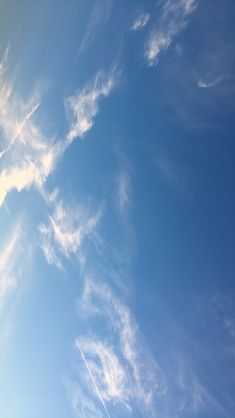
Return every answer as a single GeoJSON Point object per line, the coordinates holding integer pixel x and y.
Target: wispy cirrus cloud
{"type": "Point", "coordinates": [107, 380]}
{"type": "Point", "coordinates": [66, 230]}
{"type": "Point", "coordinates": [189, 395]}
{"type": "Point", "coordinates": [124, 370]}
{"type": "Point", "coordinates": [189, 355]}
{"type": "Point", "coordinates": [27, 157]}
{"type": "Point", "coordinates": [84, 106]}
{"type": "Point", "coordinates": [83, 404]}
{"type": "Point", "coordinates": [111, 377]}
{"type": "Point", "coordinates": [205, 84]}
{"type": "Point", "coordinates": [9, 255]}
{"type": "Point", "coordinates": [140, 22]}
{"type": "Point", "coordinates": [220, 313]}
{"type": "Point", "coordinates": [201, 83]}
{"type": "Point", "coordinates": [99, 15]}
{"type": "Point", "coordinates": [174, 17]}
{"type": "Point", "coordinates": [123, 189]}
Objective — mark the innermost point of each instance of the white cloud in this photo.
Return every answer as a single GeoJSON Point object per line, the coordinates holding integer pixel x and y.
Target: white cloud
{"type": "Point", "coordinates": [15, 257]}
{"type": "Point", "coordinates": [84, 106]}
{"type": "Point", "coordinates": [123, 189]}
{"type": "Point", "coordinates": [203, 84]}
{"type": "Point", "coordinates": [174, 17]}
{"type": "Point", "coordinates": [190, 393]}
{"type": "Point", "coordinates": [124, 370]}
{"type": "Point", "coordinates": [83, 405]}
{"type": "Point", "coordinates": [66, 231]}
{"type": "Point", "coordinates": [157, 43]}
{"type": "Point", "coordinates": [99, 15]}
{"type": "Point", "coordinates": [185, 7]}
{"type": "Point", "coordinates": [140, 22]}
{"type": "Point", "coordinates": [27, 157]}
{"type": "Point", "coordinates": [142, 380]}
{"type": "Point", "coordinates": [8, 272]}
{"type": "Point", "coordinates": [187, 355]}
{"type": "Point", "coordinates": [110, 376]}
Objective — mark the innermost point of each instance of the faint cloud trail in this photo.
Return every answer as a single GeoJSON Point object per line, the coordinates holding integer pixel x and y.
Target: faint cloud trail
{"type": "Point", "coordinates": [19, 130]}
{"type": "Point", "coordinates": [92, 378]}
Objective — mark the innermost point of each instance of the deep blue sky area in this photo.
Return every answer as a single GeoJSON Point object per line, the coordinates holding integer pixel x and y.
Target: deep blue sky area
{"type": "Point", "coordinates": [117, 209]}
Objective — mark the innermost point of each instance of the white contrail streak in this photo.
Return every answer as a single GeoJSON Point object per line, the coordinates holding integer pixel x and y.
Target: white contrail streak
{"type": "Point", "coordinates": [20, 128]}
{"type": "Point", "coordinates": [92, 378]}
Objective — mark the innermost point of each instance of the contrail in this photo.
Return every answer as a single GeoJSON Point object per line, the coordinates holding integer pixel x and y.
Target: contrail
{"type": "Point", "coordinates": [93, 380]}
{"type": "Point", "coordinates": [32, 111]}
{"type": "Point", "coordinates": [28, 116]}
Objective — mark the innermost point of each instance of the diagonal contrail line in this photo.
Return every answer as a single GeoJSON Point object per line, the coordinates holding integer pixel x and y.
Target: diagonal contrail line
{"type": "Point", "coordinates": [93, 380]}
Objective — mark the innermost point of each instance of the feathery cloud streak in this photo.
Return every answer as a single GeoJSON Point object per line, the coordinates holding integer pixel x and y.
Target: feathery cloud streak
{"type": "Point", "coordinates": [124, 370]}
{"type": "Point", "coordinates": [27, 157]}
{"type": "Point", "coordinates": [141, 21]}
{"type": "Point", "coordinates": [92, 377]}
{"type": "Point", "coordinates": [84, 106]}
{"type": "Point", "coordinates": [66, 230]}
{"type": "Point", "coordinates": [203, 84]}
{"type": "Point", "coordinates": [123, 189]}
{"type": "Point", "coordinates": [8, 257]}
{"type": "Point", "coordinates": [99, 15]}
{"type": "Point", "coordinates": [173, 18]}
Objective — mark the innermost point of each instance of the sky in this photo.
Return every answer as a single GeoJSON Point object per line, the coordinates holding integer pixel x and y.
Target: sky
{"type": "Point", "coordinates": [117, 203]}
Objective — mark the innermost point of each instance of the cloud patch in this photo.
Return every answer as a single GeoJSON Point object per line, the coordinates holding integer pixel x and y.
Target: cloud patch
{"type": "Point", "coordinates": [173, 18]}
{"type": "Point", "coordinates": [82, 404]}
{"type": "Point", "coordinates": [84, 106]}
{"type": "Point", "coordinates": [66, 230]}
{"type": "Point", "coordinates": [141, 21]}
{"type": "Point", "coordinates": [27, 157]}
{"type": "Point", "coordinates": [123, 190]}
{"type": "Point", "coordinates": [9, 254]}
{"type": "Point", "coordinates": [99, 15]}
{"type": "Point", "coordinates": [205, 84]}
{"type": "Point", "coordinates": [123, 369]}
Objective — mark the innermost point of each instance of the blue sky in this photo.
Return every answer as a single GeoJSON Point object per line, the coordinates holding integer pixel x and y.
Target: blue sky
{"type": "Point", "coordinates": [117, 209]}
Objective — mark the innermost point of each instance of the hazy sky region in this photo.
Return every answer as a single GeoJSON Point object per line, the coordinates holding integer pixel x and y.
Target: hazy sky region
{"type": "Point", "coordinates": [117, 209]}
